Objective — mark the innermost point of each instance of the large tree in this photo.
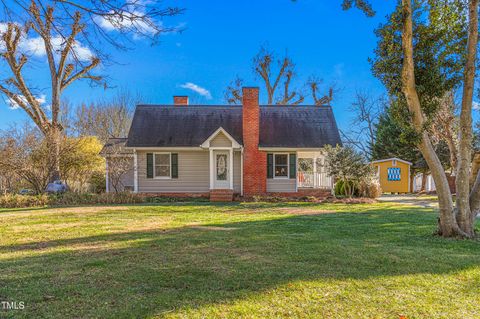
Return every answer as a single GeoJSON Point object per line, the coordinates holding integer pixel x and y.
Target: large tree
{"type": "Point", "coordinates": [278, 75]}
{"type": "Point", "coordinates": [72, 34]}
{"type": "Point", "coordinates": [426, 50]}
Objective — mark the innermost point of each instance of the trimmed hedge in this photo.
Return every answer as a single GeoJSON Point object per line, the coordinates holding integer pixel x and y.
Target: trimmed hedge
{"type": "Point", "coordinates": [21, 201]}
{"type": "Point", "coordinates": [68, 199]}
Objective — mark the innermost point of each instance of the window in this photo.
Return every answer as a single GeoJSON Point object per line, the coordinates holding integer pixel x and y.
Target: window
{"type": "Point", "coordinates": [162, 165]}
{"type": "Point", "coordinates": [394, 162]}
{"type": "Point", "coordinates": [221, 167]}
{"type": "Point", "coordinates": [281, 165]}
{"type": "Point", "coordinates": [394, 174]}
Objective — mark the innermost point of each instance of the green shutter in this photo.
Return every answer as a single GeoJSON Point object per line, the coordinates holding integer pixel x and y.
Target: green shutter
{"type": "Point", "coordinates": [269, 165]}
{"type": "Point", "coordinates": [174, 165]}
{"type": "Point", "coordinates": [149, 165]}
{"type": "Point", "coordinates": [293, 166]}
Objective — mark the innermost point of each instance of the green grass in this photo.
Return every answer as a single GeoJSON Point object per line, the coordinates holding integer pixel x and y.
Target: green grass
{"type": "Point", "coordinates": [235, 261]}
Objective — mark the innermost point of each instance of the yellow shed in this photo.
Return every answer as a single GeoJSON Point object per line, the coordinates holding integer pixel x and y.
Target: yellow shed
{"type": "Point", "coordinates": [394, 175]}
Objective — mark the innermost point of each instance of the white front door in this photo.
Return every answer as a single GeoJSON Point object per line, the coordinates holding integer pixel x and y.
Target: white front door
{"type": "Point", "coordinates": [221, 171]}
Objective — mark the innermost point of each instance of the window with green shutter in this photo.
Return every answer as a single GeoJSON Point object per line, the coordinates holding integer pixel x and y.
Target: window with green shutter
{"type": "Point", "coordinates": [269, 165]}
{"type": "Point", "coordinates": [293, 165]}
{"type": "Point", "coordinates": [149, 165]}
{"type": "Point", "coordinates": [174, 165]}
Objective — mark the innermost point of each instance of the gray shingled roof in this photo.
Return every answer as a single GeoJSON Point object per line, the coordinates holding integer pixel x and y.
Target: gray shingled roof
{"type": "Point", "coordinates": [280, 126]}
{"type": "Point", "coordinates": [116, 146]}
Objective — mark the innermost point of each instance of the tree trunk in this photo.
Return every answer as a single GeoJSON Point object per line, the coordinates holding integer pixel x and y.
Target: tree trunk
{"type": "Point", "coordinates": [448, 226]}
{"type": "Point", "coordinates": [475, 197]}
{"type": "Point", "coordinates": [412, 178]}
{"type": "Point", "coordinates": [464, 215]}
{"type": "Point", "coordinates": [53, 138]}
{"type": "Point", "coordinates": [424, 180]}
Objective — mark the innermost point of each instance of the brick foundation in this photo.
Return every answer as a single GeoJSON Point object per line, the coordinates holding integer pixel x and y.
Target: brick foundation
{"type": "Point", "coordinates": [221, 195]}
{"type": "Point", "coordinates": [176, 195]}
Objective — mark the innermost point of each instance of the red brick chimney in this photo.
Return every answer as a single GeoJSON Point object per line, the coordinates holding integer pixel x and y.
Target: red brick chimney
{"type": "Point", "coordinates": [180, 100]}
{"type": "Point", "coordinates": [254, 161]}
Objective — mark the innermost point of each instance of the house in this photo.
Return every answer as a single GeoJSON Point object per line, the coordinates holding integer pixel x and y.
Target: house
{"type": "Point", "coordinates": [393, 174]}
{"type": "Point", "coordinates": [222, 150]}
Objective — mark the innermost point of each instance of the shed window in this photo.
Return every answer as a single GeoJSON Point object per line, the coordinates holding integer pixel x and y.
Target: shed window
{"type": "Point", "coordinates": [281, 165]}
{"type": "Point", "coordinates": [394, 174]}
{"type": "Point", "coordinates": [162, 165]}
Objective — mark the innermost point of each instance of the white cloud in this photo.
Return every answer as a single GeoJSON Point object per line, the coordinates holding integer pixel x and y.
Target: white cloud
{"type": "Point", "coordinates": [476, 105]}
{"type": "Point", "coordinates": [42, 99]}
{"type": "Point", "coordinates": [198, 89]}
{"type": "Point", "coordinates": [130, 21]}
{"type": "Point", "coordinates": [36, 47]}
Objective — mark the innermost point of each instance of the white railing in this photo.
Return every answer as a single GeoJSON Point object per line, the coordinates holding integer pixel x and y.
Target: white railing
{"type": "Point", "coordinates": [314, 180]}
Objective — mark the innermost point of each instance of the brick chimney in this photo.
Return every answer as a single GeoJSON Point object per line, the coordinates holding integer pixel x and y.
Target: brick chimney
{"type": "Point", "coordinates": [180, 100]}
{"type": "Point", "coordinates": [254, 161]}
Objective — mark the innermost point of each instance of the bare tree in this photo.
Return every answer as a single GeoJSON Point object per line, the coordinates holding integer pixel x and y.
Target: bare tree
{"type": "Point", "coordinates": [444, 127]}
{"type": "Point", "coordinates": [119, 162]}
{"type": "Point", "coordinates": [366, 111]}
{"type": "Point", "coordinates": [314, 84]}
{"type": "Point", "coordinates": [21, 153]}
{"type": "Point", "coordinates": [118, 168]}
{"type": "Point", "coordinates": [106, 119]}
{"type": "Point", "coordinates": [233, 93]}
{"type": "Point", "coordinates": [25, 153]}
{"type": "Point", "coordinates": [65, 30]}
{"type": "Point", "coordinates": [278, 76]}
{"type": "Point", "coordinates": [262, 66]}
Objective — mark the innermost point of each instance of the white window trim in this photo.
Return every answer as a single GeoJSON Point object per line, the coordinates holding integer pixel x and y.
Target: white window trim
{"type": "Point", "coordinates": [288, 166]}
{"type": "Point", "coordinates": [154, 165]}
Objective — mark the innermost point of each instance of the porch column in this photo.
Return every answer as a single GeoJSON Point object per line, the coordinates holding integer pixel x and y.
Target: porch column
{"type": "Point", "coordinates": [135, 171]}
{"type": "Point", "coordinates": [230, 152]}
{"type": "Point", "coordinates": [211, 166]}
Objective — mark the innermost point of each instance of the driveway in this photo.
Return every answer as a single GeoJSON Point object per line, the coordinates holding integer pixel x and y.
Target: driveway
{"type": "Point", "coordinates": [410, 199]}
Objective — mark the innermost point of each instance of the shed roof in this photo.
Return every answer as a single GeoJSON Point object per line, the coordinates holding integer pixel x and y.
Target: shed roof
{"type": "Point", "coordinates": [391, 159]}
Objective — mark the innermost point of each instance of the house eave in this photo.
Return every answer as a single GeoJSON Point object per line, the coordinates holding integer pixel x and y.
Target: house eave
{"type": "Point", "coordinates": [156, 148]}
{"type": "Point", "coordinates": [289, 149]}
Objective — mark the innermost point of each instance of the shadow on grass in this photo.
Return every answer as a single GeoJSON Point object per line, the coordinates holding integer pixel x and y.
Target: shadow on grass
{"type": "Point", "coordinates": [140, 274]}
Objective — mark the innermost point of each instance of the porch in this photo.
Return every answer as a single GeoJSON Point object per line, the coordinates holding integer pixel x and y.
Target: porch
{"type": "Point", "coordinates": [311, 173]}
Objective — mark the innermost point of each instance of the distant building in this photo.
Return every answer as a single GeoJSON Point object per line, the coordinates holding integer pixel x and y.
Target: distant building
{"type": "Point", "coordinates": [393, 174]}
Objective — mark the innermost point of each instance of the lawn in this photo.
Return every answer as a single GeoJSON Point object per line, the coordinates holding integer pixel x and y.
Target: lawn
{"type": "Point", "coordinates": [235, 261]}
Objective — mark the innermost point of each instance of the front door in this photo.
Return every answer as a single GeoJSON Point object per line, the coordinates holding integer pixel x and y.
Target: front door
{"type": "Point", "coordinates": [221, 179]}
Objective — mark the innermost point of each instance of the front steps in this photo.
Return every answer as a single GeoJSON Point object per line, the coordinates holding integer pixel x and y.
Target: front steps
{"type": "Point", "coordinates": [221, 195]}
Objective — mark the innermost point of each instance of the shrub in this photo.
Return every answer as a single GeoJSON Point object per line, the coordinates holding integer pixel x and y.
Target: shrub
{"type": "Point", "coordinates": [73, 199]}
{"type": "Point", "coordinates": [20, 201]}
{"type": "Point", "coordinates": [339, 188]}
{"type": "Point", "coordinates": [360, 200]}
{"type": "Point", "coordinates": [369, 188]}
{"type": "Point", "coordinates": [270, 199]}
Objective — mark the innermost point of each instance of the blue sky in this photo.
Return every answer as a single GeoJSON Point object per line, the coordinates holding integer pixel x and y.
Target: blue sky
{"type": "Point", "coordinates": [220, 39]}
